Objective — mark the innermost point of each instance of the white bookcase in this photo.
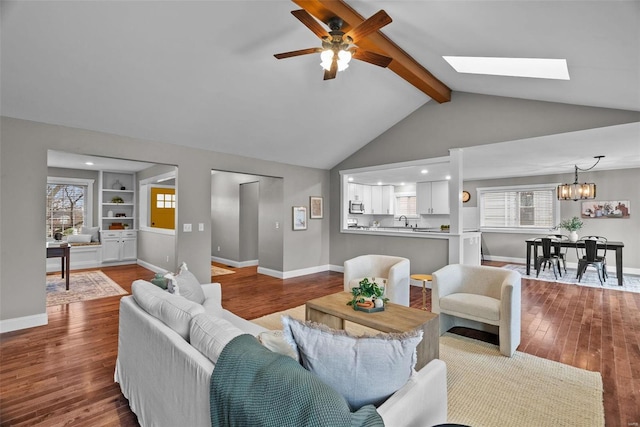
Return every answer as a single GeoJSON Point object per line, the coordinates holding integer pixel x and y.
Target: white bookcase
{"type": "Point", "coordinates": [117, 205]}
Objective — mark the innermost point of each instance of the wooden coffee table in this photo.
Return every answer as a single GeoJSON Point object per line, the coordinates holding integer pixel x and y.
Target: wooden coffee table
{"type": "Point", "coordinates": [332, 310]}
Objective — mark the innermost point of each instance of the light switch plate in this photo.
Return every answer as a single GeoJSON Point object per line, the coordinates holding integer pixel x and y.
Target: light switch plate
{"type": "Point", "coordinates": [186, 228]}
{"type": "Point", "coordinates": [201, 226]}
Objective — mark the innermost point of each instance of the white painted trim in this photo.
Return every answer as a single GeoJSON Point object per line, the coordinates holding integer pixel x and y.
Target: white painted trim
{"type": "Point", "coordinates": [151, 267]}
{"type": "Point", "coordinates": [336, 268]}
{"type": "Point", "coordinates": [272, 273]}
{"type": "Point", "coordinates": [611, 266]}
{"type": "Point", "coordinates": [305, 271]}
{"type": "Point", "coordinates": [24, 322]}
{"type": "Point", "coordinates": [236, 264]}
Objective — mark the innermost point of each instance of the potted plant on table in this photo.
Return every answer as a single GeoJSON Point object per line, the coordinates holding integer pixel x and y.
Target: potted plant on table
{"type": "Point", "coordinates": [368, 296]}
{"type": "Point", "coordinates": [572, 226]}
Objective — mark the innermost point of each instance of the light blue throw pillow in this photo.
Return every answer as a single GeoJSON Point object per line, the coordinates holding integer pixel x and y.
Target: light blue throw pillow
{"type": "Point", "coordinates": [365, 370]}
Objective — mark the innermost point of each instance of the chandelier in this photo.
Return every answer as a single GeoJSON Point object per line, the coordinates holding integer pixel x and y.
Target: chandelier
{"type": "Point", "coordinates": [577, 191]}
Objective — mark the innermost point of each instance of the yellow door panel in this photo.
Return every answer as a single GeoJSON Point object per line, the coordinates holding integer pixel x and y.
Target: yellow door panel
{"type": "Point", "coordinates": [163, 208]}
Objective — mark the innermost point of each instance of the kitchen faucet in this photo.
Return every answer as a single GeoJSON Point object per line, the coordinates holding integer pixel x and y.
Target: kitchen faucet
{"type": "Point", "coordinates": [406, 221]}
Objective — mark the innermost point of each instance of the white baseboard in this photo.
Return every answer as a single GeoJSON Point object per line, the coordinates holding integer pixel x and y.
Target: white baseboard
{"type": "Point", "coordinates": [336, 268]}
{"type": "Point", "coordinates": [611, 266]}
{"type": "Point", "coordinates": [25, 322]}
{"type": "Point", "coordinates": [293, 273]}
{"type": "Point", "coordinates": [235, 264]}
{"type": "Point", "coordinates": [151, 267]}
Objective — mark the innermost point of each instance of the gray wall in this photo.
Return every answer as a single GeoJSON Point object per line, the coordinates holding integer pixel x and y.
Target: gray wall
{"type": "Point", "coordinates": [249, 208]}
{"type": "Point", "coordinates": [468, 120]}
{"type": "Point", "coordinates": [23, 166]}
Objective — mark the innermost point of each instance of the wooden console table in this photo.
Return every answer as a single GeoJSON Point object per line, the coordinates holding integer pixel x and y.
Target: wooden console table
{"type": "Point", "coordinates": [332, 310]}
{"type": "Point", "coordinates": [63, 252]}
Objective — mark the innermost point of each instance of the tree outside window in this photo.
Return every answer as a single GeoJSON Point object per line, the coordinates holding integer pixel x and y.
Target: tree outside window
{"type": "Point", "coordinates": [66, 211]}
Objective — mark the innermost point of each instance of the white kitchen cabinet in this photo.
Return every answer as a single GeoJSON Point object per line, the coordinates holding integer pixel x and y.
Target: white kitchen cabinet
{"type": "Point", "coordinates": [119, 245]}
{"type": "Point", "coordinates": [432, 198]}
{"type": "Point", "coordinates": [388, 199]}
{"type": "Point", "coordinates": [382, 202]}
{"type": "Point", "coordinates": [356, 192]}
{"type": "Point", "coordinates": [367, 195]}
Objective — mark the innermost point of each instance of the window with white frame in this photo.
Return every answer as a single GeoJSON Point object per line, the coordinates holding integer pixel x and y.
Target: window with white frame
{"type": "Point", "coordinates": [69, 202]}
{"type": "Point", "coordinates": [405, 204]}
{"type": "Point", "coordinates": [522, 207]}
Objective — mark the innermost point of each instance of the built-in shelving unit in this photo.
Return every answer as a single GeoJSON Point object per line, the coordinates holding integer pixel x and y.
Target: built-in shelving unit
{"type": "Point", "coordinates": [118, 219]}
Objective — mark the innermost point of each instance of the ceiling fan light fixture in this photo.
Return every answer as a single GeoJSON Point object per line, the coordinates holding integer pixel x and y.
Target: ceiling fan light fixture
{"type": "Point", "coordinates": [326, 58]}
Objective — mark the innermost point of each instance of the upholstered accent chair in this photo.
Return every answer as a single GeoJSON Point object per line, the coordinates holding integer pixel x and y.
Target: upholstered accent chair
{"type": "Point", "coordinates": [479, 297]}
{"type": "Point", "coordinates": [392, 268]}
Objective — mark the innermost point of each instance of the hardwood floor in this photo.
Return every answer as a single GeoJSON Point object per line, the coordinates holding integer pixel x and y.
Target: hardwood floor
{"type": "Point", "coordinates": [62, 373]}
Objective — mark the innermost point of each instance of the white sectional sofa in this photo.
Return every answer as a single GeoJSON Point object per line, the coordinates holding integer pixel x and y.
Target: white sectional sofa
{"type": "Point", "coordinates": [166, 379]}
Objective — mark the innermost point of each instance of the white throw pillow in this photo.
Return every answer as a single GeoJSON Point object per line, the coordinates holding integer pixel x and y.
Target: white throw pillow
{"type": "Point", "coordinates": [187, 284]}
{"type": "Point", "coordinates": [365, 370]}
{"type": "Point", "coordinates": [93, 231]}
{"type": "Point", "coordinates": [173, 310]}
{"type": "Point", "coordinates": [79, 238]}
{"type": "Point", "coordinates": [274, 341]}
{"type": "Point", "coordinates": [210, 334]}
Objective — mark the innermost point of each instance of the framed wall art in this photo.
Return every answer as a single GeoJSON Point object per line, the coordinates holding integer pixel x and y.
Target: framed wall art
{"type": "Point", "coordinates": [316, 210]}
{"type": "Point", "coordinates": [606, 209]}
{"type": "Point", "coordinates": [299, 218]}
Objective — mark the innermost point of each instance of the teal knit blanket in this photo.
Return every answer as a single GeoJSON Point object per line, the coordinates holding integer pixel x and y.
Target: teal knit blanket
{"type": "Point", "coordinates": [253, 386]}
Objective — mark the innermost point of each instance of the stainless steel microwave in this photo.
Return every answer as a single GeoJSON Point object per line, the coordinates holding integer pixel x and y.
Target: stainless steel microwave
{"type": "Point", "coordinates": [356, 207]}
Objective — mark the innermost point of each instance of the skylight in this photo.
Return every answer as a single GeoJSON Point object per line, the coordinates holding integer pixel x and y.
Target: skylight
{"type": "Point", "coordinates": [539, 68]}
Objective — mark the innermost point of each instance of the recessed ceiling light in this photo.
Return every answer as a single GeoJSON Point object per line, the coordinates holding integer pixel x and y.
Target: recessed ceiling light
{"type": "Point", "coordinates": [350, 178]}
{"type": "Point", "coordinates": [539, 68]}
{"type": "Point", "coordinates": [423, 171]}
{"type": "Point", "coordinates": [379, 183]}
{"type": "Point", "coordinates": [88, 163]}
{"type": "Point", "coordinates": [402, 183]}
{"type": "Point", "coordinates": [448, 177]}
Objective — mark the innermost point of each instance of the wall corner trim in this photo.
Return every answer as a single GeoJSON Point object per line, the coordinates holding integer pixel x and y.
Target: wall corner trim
{"type": "Point", "coordinates": [24, 322]}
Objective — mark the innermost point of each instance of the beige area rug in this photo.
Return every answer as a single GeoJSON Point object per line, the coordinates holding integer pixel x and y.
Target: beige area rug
{"type": "Point", "coordinates": [83, 286]}
{"type": "Point", "coordinates": [486, 389]}
{"type": "Point", "coordinates": [219, 271]}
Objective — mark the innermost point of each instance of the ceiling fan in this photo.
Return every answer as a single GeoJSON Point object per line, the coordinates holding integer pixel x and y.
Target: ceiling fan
{"type": "Point", "coordinates": [339, 47]}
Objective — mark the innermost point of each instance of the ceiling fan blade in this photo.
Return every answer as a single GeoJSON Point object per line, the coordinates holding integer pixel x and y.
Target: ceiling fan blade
{"type": "Point", "coordinates": [298, 52]}
{"type": "Point", "coordinates": [310, 22]}
{"type": "Point", "coordinates": [331, 73]}
{"type": "Point", "coordinates": [374, 23]}
{"type": "Point", "coordinates": [372, 58]}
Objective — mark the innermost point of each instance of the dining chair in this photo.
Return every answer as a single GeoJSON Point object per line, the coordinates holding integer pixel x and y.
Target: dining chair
{"type": "Point", "coordinates": [558, 250]}
{"type": "Point", "coordinates": [592, 253]}
{"type": "Point", "coordinates": [550, 249]}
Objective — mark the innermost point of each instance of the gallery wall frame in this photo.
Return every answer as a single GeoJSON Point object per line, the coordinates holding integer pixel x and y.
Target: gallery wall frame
{"type": "Point", "coordinates": [316, 208]}
{"type": "Point", "coordinates": [299, 218]}
{"type": "Point", "coordinates": [605, 209]}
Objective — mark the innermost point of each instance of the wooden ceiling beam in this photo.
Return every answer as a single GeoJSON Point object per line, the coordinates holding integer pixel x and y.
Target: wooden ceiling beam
{"type": "Point", "coordinates": [403, 64]}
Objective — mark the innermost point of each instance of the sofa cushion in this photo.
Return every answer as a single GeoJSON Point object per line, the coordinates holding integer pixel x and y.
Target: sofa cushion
{"type": "Point", "coordinates": [209, 335]}
{"type": "Point", "coordinates": [79, 238]}
{"type": "Point", "coordinates": [478, 306]}
{"type": "Point", "coordinates": [213, 307]}
{"type": "Point", "coordinates": [173, 310]}
{"type": "Point", "coordinates": [365, 370]}
{"type": "Point", "coordinates": [187, 284]}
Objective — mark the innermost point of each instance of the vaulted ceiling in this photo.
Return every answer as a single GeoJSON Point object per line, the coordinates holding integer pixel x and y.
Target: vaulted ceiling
{"type": "Point", "coordinates": [202, 73]}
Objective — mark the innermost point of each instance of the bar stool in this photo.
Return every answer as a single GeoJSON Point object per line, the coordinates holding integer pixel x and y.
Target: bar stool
{"type": "Point", "coordinates": [424, 278]}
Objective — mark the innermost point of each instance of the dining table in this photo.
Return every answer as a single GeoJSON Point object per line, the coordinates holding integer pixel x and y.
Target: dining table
{"type": "Point", "coordinates": [609, 245]}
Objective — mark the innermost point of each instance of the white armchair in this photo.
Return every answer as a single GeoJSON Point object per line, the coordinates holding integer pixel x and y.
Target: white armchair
{"type": "Point", "coordinates": [479, 297]}
{"type": "Point", "coordinates": [392, 268]}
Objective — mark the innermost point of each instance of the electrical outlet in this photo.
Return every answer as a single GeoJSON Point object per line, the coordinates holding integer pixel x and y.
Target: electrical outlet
{"type": "Point", "coordinates": [277, 225]}
{"type": "Point", "coordinates": [186, 228]}
{"type": "Point", "coordinates": [218, 248]}
{"type": "Point", "coordinates": [167, 258]}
